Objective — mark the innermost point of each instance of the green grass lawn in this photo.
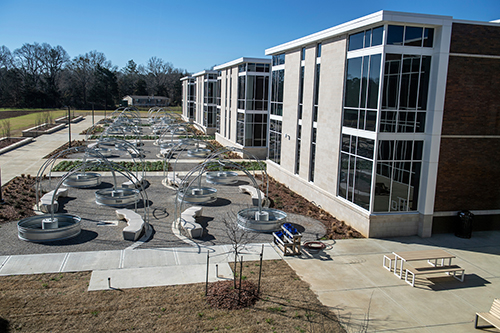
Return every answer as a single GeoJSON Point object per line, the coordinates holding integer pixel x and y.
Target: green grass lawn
{"type": "Point", "coordinates": [17, 124]}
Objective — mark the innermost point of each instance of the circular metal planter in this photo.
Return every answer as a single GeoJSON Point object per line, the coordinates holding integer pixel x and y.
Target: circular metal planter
{"type": "Point", "coordinates": [109, 142]}
{"type": "Point", "coordinates": [189, 142]}
{"type": "Point", "coordinates": [222, 177]}
{"type": "Point", "coordinates": [199, 152]}
{"type": "Point", "coordinates": [106, 152]}
{"type": "Point", "coordinates": [42, 228]}
{"type": "Point", "coordinates": [268, 220]}
{"type": "Point", "coordinates": [83, 180]}
{"type": "Point", "coordinates": [121, 146]}
{"type": "Point", "coordinates": [119, 197]}
{"type": "Point", "coordinates": [198, 195]}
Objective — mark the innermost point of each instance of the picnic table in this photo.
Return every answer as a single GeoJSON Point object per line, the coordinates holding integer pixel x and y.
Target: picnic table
{"type": "Point", "coordinates": [432, 257]}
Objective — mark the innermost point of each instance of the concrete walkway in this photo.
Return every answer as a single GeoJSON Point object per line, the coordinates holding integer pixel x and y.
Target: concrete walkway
{"type": "Point", "coordinates": [29, 158]}
{"type": "Point", "coordinates": [349, 278]}
{"type": "Point", "coordinates": [137, 268]}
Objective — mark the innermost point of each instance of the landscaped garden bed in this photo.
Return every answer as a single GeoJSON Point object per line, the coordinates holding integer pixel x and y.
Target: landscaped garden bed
{"type": "Point", "coordinates": [19, 197]}
{"type": "Point", "coordinates": [284, 199]}
{"type": "Point", "coordinates": [64, 120]}
{"type": "Point", "coordinates": [7, 144]}
{"type": "Point", "coordinates": [45, 128]}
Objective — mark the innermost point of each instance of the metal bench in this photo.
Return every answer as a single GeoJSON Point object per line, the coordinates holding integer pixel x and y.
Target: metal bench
{"type": "Point", "coordinates": [413, 271]}
{"type": "Point", "coordinates": [492, 317]}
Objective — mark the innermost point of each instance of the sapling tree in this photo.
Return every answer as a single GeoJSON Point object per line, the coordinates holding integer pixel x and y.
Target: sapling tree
{"type": "Point", "coordinates": [237, 236]}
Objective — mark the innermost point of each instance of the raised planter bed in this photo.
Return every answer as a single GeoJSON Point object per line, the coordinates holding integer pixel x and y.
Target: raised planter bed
{"type": "Point", "coordinates": [64, 120]}
{"type": "Point", "coordinates": [8, 144]}
{"type": "Point", "coordinates": [42, 129]}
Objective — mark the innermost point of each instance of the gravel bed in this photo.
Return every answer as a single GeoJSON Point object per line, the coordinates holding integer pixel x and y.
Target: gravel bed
{"type": "Point", "coordinates": [102, 231]}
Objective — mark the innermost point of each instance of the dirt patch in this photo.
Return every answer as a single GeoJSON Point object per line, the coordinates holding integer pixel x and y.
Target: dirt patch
{"type": "Point", "coordinates": [19, 197]}
{"type": "Point", "coordinates": [9, 141]}
{"type": "Point", "coordinates": [290, 202]}
{"type": "Point", "coordinates": [61, 303]}
{"type": "Point", "coordinates": [12, 114]}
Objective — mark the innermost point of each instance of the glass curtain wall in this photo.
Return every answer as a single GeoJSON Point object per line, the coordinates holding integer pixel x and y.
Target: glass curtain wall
{"type": "Point", "coordinates": [253, 101]}
{"type": "Point", "coordinates": [275, 121]}
{"type": "Point", "coordinates": [403, 106]}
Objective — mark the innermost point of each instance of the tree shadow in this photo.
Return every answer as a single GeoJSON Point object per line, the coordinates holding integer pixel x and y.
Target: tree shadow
{"type": "Point", "coordinates": [4, 325]}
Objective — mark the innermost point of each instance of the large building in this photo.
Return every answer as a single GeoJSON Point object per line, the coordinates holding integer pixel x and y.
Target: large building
{"type": "Point", "coordinates": [391, 122]}
{"type": "Point", "coordinates": [244, 104]}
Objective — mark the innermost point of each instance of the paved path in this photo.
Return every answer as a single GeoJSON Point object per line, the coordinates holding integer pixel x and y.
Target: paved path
{"type": "Point", "coordinates": [349, 278]}
{"type": "Point", "coordinates": [28, 158]}
{"type": "Point", "coordinates": [135, 268]}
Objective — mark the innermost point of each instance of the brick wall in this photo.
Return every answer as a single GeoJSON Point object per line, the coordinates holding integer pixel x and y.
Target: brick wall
{"type": "Point", "coordinates": [472, 103]}
{"type": "Point", "coordinates": [468, 174]}
{"type": "Point", "coordinates": [469, 167]}
{"type": "Point", "coordinates": [475, 39]}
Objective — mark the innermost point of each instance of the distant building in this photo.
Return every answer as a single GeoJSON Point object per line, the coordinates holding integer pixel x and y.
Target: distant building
{"type": "Point", "coordinates": [200, 94]}
{"type": "Point", "coordinates": [145, 101]}
{"type": "Point", "coordinates": [244, 104]}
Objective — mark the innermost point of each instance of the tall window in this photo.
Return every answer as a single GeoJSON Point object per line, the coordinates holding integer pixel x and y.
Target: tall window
{"type": "Point", "coordinates": [277, 84]}
{"type": "Point", "coordinates": [240, 128]}
{"type": "Point", "coordinates": [301, 93]}
{"type": "Point", "coordinates": [313, 154]}
{"type": "Point", "coordinates": [361, 92]}
{"type": "Point", "coordinates": [398, 175]}
{"type": "Point", "coordinates": [275, 140]}
{"type": "Point", "coordinates": [255, 129]}
{"type": "Point", "coordinates": [405, 90]}
{"type": "Point", "coordinates": [356, 163]}
{"type": "Point", "coordinates": [297, 155]}
{"type": "Point", "coordinates": [316, 92]}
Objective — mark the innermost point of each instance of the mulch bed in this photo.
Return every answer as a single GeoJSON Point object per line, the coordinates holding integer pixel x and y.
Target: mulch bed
{"type": "Point", "coordinates": [284, 199]}
{"type": "Point", "coordinates": [74, 143]}
{"type": "Point", "coordinates": [223, 295]}
{"type": "Point", "coordinates": [9, 141]}
{"type": "Point", "coordinates": [19, 197]}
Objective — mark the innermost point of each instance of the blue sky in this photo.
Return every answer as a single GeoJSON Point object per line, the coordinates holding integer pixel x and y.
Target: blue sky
{"type": "Point", "coordinates": [195, 35]}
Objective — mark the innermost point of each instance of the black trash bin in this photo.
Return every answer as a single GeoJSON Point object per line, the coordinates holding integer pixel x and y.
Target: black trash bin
{"type": "Point", "coordinates": [464, 226]}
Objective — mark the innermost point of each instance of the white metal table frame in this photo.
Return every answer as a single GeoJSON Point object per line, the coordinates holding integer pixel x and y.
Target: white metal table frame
{"type": "Point", "coordinates": [432, 257]}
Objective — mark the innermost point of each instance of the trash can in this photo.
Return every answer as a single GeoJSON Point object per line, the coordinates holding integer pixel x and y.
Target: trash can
{"type": "Point", "coordinates": [464, 226]}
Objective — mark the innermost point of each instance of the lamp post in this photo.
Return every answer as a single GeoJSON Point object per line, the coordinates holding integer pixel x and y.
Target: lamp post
{"type": "Point", "coordinates": [69, 127]}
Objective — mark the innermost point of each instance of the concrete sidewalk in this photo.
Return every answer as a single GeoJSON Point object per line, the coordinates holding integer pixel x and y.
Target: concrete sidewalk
{"type": "Point", "coordinates": [137, 268]}
{"type": "Point", "coordinates": [349, 278]}
{"type": "Point", "coordinates": [29, 158]}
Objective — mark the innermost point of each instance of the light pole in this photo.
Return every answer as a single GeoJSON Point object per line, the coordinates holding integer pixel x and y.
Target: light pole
{"type": "Point", "coordinates": [69, 127]}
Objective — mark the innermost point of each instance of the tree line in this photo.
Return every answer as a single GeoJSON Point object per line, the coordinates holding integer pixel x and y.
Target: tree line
{"type": "Point", "coordinates": [44, 76]}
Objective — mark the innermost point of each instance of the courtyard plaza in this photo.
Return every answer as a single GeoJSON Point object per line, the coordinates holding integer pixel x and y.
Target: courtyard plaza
{"type": "Point", "coordinates": [347, 275]}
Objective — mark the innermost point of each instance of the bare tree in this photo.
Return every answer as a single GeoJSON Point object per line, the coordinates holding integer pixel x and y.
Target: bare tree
{"type": "Point", "coordinates": [5, 57]}
{"type": "Point", "coordinates": [158, 73]}
{"type": "Point", "coordinates": [238, 237]}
